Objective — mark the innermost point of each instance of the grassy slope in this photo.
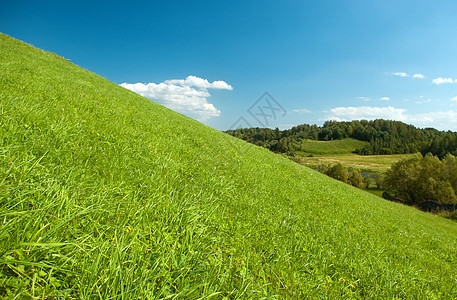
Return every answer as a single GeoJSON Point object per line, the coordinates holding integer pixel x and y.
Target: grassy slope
{"type": "Point", "coordinates": [105, 194]}
{"type": "Point", "coordinates": [335, 147]}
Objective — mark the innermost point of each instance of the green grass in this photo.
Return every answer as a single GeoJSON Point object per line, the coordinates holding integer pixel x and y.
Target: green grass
{"type": "Point", "coordinates": [375, 191]}
{"type": "Point", "coordinates": [107, 195]}
{"type": "Point", "coordinates": [325, 148]}
{"type": "Point", "coordinates": [366, 163]}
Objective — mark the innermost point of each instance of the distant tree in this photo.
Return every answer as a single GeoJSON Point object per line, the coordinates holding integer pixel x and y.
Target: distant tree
{"type": "Point", "coordinates": [366, 182]}
{"type": "Point", "coordinates": [379, 180]}
{"type": "Point", "coordinates": [450, 168]}
{"type": "Point", "coordinates": [337, 172]}
{"type": "Point", "coordinates": [401, 179]}
{"type": "Point", "coordinates": [421, 179]}
{"type": "Point", "coordinates": [356, 179]}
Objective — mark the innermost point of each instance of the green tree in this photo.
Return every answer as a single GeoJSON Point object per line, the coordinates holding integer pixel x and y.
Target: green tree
{"type": "Point", "coordinates": [356, 179]}
{"type": "Point", "coordinates": [421, 179]}
{"type": "Point", "coordinates": [338, 172]}
{"type": "Point", "coordinates": [402, 177]}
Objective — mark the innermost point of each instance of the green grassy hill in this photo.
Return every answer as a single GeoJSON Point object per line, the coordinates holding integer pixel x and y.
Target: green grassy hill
{"type": "Point", "coordinates": [105, 194]}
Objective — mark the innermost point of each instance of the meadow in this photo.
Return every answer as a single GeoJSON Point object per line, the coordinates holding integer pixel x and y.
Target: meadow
{"type": "Point", "coordinates": [325, 153]}
{"type": "Point", "coordinates": [312, 148]}
{"type": "Point", "coordinates": [107, 195]}
{"type": "Point", "coordinates": [371, 164]}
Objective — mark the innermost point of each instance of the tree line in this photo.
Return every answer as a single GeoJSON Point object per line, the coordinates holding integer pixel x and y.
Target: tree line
{"type": "Point", "coordinates": [383, 137]}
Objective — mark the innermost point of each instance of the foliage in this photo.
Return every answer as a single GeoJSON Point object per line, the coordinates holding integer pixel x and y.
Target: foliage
{"type": "Point", "coordinates": [369, 164]}
{"type": "Point", "coordinates": [340, 173]}
{"type": "Point", "coordinates": [425, 178]}
{"type": "Point", "coordinates": [107, 195]}
{"type": "Point", "coordinates": [382, 137]}
{"type": "Point", "coordinates": [337, 172]}
{"type": "Point", "coordinates": [442, 144]}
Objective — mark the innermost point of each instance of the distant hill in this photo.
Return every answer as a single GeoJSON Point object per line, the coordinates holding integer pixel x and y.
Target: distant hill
{"type": "Point", "coordinates": [105, 194]}
{"type": "Point", "coordinates": [382, 136]}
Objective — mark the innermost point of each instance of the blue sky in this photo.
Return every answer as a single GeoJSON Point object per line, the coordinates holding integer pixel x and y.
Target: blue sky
{"type": "Point", "coordinates": [214, 60]}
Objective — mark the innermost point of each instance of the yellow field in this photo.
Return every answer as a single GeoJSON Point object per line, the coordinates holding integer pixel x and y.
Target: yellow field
{"type": "Point", "coordinates": [368, 163]}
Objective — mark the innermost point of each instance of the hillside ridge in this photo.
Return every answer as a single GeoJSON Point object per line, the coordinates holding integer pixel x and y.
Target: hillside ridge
{"type": "Point", "coordinates": [105, 194]}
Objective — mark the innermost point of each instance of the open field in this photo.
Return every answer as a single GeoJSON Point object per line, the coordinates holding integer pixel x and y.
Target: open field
{"type": "Point", "coordinates": [325, 148]}
{"type": "Point", "coordinates": [341, 151]}
{"type": "Point", "coordinates": [107, 195]}
{"type": "Point", "coordinates": [365, 163]}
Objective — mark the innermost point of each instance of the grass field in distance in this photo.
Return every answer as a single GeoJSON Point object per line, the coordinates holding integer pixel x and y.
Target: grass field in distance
{"type": "Point", "coordinates": [341, 151]}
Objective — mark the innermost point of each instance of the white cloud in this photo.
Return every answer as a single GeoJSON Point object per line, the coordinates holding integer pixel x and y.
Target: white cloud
{"type": "Point", "coordinates": [401, 74]}
{"type": "Point", "coordinates": [199, 83]}
{"type": "Point", "coordinates": [384, 98]}
{"type": "Point", "coordinates": [366, 113]}
{"type": "Point", "coordinates": [441, 120]}
{"type": "Point", "coordinates": [441, 80]}
{"type": "Point", "coordinates": [454, 99]}
{"type": "Point", "coordinates": [366, 99]}
{"type": "Point", "coordinates": [301, 110]}
{"type": "Point", "coordinates": [187, 96]}
{"type": "Point", "coordinates": [420, 76]}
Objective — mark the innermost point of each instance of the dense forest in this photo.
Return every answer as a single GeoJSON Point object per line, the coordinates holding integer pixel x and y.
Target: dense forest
{"type": "Point", "coordinates": [383, 136]}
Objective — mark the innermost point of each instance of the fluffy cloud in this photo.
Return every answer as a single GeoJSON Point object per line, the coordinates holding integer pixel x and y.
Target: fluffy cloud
{"type": "Point", "coordinates": [401, 74]}
{"type": "Point", "coordinates": [384, 98]}
{"type": "Point", "coordinates": [187, 96]}
{"type": "Point", "coordinates": [420, 76]}
{"type": "Point", "coordinates": [441, 80]}
{"type": "Point", "coordinates": [366, 113]}
{"type": "Point", "coordinates": [366, 99]}
{"type": "Point", "coordinates": [199, 83]}
{"type": "Point", "coordinates": [454, 99]}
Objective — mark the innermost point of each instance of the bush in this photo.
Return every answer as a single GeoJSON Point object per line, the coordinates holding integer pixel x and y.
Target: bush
{"type": "Point", "coordinates": [356, 179]}
{"type": "Point", "coordinates": [339, 173]}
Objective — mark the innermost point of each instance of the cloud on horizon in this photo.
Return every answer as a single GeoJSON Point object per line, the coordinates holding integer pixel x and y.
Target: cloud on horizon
{"type": "Point", "coordinates": [187, 96]}
{"type": "Point", "coordinates": [441, 120]}
{"type": "Point", "coordinates": [301, 110]}
{"type": "Point", "coordinates": [366, 113]}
